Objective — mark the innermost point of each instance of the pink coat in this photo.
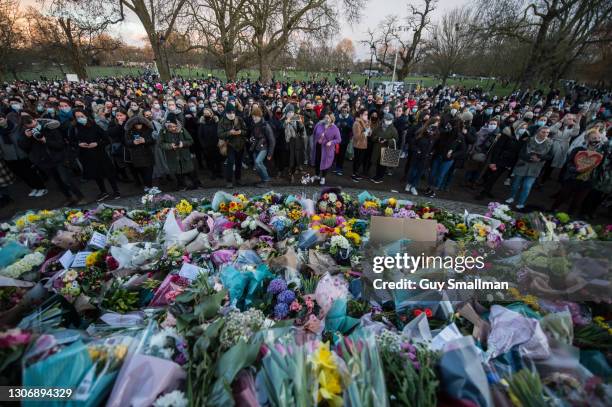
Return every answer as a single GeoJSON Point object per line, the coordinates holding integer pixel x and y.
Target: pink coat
{"type": "Point", "coordinates": [322, 135]}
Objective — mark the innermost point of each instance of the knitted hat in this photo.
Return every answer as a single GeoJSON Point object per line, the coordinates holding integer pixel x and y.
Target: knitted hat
{"type": "Point", "coordinates": [466, 116]}
{"type": "Point", "coordinates": [172, 118]}
{"type": "Point", "coordinates": [528, 115]}
{"type": "Point", "coordinates": [230, 108]}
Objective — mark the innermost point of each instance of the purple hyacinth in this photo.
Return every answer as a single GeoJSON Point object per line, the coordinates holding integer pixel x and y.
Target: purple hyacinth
{"type": "Point", "coordinates": [277, 286]}
{"type": "Point", "coordinates": [286, 297]}
{"type": "Point", "coordinates": [281, 310]}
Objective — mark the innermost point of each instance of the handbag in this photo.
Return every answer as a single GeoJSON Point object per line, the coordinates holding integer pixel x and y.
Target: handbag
{"type": "Point", "coordinates": [390, 157]}
{"type": "Point", "coordinates": [222, 145]}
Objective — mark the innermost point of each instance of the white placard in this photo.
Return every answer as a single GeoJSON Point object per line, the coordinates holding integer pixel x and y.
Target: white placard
{"type": "Point", "coordinates": [67, 259]}
{"type": "Point", "coordinates": [190, 272]}
{"type": "Point", "coordinates": [79, 259]}
{"type": "Point", "coordinates": [72, 77]}
{"type": "Point", "coordinates": [98, 240]}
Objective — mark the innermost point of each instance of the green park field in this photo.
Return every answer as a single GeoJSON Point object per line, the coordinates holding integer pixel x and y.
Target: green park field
{"type": "Point", "coordinates": [358, 78]}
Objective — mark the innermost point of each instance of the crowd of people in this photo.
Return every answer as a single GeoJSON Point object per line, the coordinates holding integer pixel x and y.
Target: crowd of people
{"type": "Point", "coordinates": [137, 129]}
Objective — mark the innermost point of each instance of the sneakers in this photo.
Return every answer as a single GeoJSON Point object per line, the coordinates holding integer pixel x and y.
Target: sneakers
{"type": "Point", "coordinates": [322, 181]}
{"type": "Point", "coordinates": [37, 193]}
{"type": "Point", "coordinates": [102, 196]}
{"type": "Point", "coordinates": [403, 155]}
{"type": "Point", "coordinates": [510, 200]}
{"type": "Point", "coordinates": [377, 180]}
{"type": "Point", "coordinates": [355, 178]}
{"type": "Point", "coordinates": [520, 207]}
{"type": "Point", "coordinates": [507, 182]}
{"type": "Point", "coordinates": [33, 192]}
{"type": "Point", "coordinates": [339, 173]}
{"type": "Point", "coordinates": [414, 191]}
{"type": "Point", "coordinates": [430, 193]}
{"type": "Point", "coordinates": [115, 195]}
{"type": "Point", "coordinates": [408, 186]}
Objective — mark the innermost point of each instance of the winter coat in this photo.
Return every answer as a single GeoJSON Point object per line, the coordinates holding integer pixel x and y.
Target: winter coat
{"type": "Point", "coordinates": [6, 175]}
{"type": "Point", "coordinates": [602, 176]}
{"type": "Point", "coordinates": [49, 154]}
{"type": "Point", "coordinates": [262, 138]}
{"type": "Point", "coordinates": [525, 166]}
{"type": "Point", "coordinates": [140, 155]}
{"type": "Point", "coordinates": [95, 161]}
{"type": "Point", "coordinates": [573, 175]}
{"type": "Point", "coordinates": [9, 147]}
{"type": "Point", "coordinates": [294, 139]}
{"type": "Point", "coordinates": [422, 150]}
{"type": "Point", "coordinates": [506, 149]}
{"type": "Point", "coordinates": [179, 159]}
{"type": "Point", "coordinates": [225, 125]}
{"type": "Point", "coordinates": [345, 125]}
{"type": "Point", "coordinates": [561, 137]}
{"type": "Point", "coordinates": [323, 135]}
{"type": "Point", "coordinates": [360, 137]}
{"type": "Point", "coordinates": [208, 132]}
{"type": "Point", "coordinates": [450, 141]}
{"type": "Point", "coordinates": [160, 169]}
{"type": "Point", "coordinates": [381, 137]}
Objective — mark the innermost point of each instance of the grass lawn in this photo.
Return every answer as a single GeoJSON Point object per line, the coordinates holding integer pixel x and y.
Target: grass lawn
{"type": "Point", "coordinates": [102, 71]}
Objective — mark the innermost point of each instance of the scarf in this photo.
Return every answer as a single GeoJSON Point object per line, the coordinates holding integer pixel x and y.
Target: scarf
{"type": "Point", "coordinates": [290, 131]}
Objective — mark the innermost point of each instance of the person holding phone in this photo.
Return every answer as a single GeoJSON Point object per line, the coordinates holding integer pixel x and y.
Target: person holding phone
{"type": "Point", "coordinates": [139, 143]}
{"type": "Point", "coordinates": [175, 142]}
{"type": "Point", "coordinates": [232, 131]}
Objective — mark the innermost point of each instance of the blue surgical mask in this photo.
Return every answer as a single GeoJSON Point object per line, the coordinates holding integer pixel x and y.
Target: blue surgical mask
{"type": "Point", "coordinates": [192, 109]}
{"type": "Point", "coordinates": [16, 106]}
{"type": "Point", "coordinates": [40, 108]}
{"type": "Point", "coordinates": [50, 110]}
{"type": "Point", "coordinates": [66, 109]}
{"type": "Point", "coordinates": [541, 123]}
{"type": "Point", "coordinates": [82, 120]}
{"type": "Point", "coordinates": [521, 131]}
{"type": "Point", "coordinates": [489, 111]}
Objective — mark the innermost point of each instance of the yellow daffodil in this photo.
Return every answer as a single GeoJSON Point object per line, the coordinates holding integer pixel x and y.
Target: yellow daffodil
{"type": "Point", "coordinates": [388, 211]}
{"type": "Point", "coordinates": [184, 207]}
{"type": "Point", "coordinates": [20, 223]}
{"type": "Point", "coordinates": [392, 202]}
{"type": "Point", "coordinates": [428, 215]}
{"type": "Point", "coordinates": [316, 218]}
{"type": "Point", "coordinates": [323, 357]}
{"type": "Point", "coordinates": [329, 388]}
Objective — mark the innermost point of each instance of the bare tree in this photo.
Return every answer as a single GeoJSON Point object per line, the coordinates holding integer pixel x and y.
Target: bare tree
{"type": "Point", "coordinates": [12, 36]}
{"type": "Point", "coordinates": [450, 43]}
{"type": "Point", "coordinates": [159, 19]}
{"type": "Point", "coordinates": [404, 37]}
{"type": "Point", "coordinates": [556, 31]}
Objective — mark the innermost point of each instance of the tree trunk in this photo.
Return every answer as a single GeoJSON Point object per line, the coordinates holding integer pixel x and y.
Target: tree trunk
{"type": "Point", "coordinates": [535, 56]}
{"type": "Point", "coordinates": [231, 71]}
{"type": "Point", "coordinates": [265, 70]}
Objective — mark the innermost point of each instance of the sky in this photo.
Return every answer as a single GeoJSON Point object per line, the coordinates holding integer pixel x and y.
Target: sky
{"type": "Point", "coordinates": [132, 33]}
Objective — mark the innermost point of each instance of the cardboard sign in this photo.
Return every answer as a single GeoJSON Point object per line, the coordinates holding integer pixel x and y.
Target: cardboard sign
{"type": "Point", "coordinates": [72, 77]}
{"type": "Point", "coordinates": [67, 259]}
{"type": "Point", "coordinates": [388, 230]}
{"type": "Point", "coordinates": [190, 272]}
{"type": "Point", "coordinates": [98, 240]}
{"type": "Point", "coordinates": [79, 259]}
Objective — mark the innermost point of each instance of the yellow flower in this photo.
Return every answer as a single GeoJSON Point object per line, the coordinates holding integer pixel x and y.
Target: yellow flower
{"type": "Point", "coordinates": [323, 357]}
{"type": "Point", "coordinates": [31, 218]}
{"type": "Point", "coordinates": [388, 211]}
{"type": "Point", "coordinates": [428, 215]}
{"type": "Point", "coordinates": [598, 319]}
{"type": "Point", "coordinates": [20, 223]}
{"type": "Point", "coordinates": [392, 202]}
{"type": "Point", "coordinates": [329, 388]}
{"type": "Point", "coordinates": [91, 259]}
{"type": "Point", "coordinates": [94, 353]}
{"type": "Point", "coordinates": [315, 227]}
{"type": "Point", "coordinates": [461, 226]}
{"type": "Point", "coordinates": [184, 207]}
{"type": "Point", "coordinates": [120, 351]}
{"type": "Point", "coordinates": [316, 218]}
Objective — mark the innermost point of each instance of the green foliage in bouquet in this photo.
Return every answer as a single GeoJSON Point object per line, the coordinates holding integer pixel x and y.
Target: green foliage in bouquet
{"type": "Point", "coordinates": [526, 389]}
{"type": "Point", "coordinates": [120, 299]}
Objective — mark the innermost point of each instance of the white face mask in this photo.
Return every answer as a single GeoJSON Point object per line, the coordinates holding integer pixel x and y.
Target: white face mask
{"type": "Point", "coordinates": [256, 119]}
{"type": "Point", "coordinates": [492, 126]}
{"type": "Point", "coordinates": [231, 116]}
{"type": "Point", "coordinates": [388, 122]}
{"type": "Point", "coordinates": [453, 112]}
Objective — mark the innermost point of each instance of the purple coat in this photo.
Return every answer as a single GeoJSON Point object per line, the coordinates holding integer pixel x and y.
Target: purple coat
{"type": "Point", "coordinates": [328, 153]}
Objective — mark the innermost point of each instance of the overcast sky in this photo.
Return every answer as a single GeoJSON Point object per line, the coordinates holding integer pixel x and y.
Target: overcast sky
{"type": "Point", "coordinates": [131, 30]}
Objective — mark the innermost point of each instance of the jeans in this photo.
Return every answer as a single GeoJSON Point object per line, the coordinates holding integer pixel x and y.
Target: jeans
{"type": "Point", "coordinates": [341, 154]}
{"type": "Point", "coordinates": [259, 157]}
{"type": "Point", "coordinates": [439, 168]}
{"type": "Point", "coordinates": [524, 183]}
{"type": "Point", "coordinates": [233, 164]}
{"type": "Point", "coordinates": [414, 176]}
{"type": "Point", "coordinates": [65, 180]}
{"type": "Point", "coordinates": [358, 161]}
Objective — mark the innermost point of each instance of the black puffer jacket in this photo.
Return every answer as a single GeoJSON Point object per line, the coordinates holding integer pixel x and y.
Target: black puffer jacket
{"type": "Point", "coordinates": [207, 132]}
{"type": "Point", "coordinates": [450, 141]}
{"type": "Point", "coordinates": [49, 154]}
{"type": "Point", "coordinates": [505, 151]}
{"type": "Point", "coordinates": [141, 155]}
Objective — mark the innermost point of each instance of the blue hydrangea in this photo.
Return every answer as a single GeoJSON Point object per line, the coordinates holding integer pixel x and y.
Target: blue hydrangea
{"type": "Point", "coordinates": [286, 297]}
{"type": "Point", "coordinates": [277, 286]}
{"type": "Point", "coordinates": [281, 310]}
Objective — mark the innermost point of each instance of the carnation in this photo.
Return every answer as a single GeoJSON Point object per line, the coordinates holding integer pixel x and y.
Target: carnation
{"type": "Point", "coordinates": [173, 399]}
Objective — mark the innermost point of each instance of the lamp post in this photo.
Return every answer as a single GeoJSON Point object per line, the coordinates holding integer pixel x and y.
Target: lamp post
{"type": "Point", "coordinates": [372, 52]}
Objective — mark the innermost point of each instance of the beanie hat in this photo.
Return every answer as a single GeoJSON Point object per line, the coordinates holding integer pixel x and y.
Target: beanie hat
{"type": "Point", "coordinates": [466, 116]}
{"type": "Point", "coordinates": [256, 111]}
{"type": "Point", "coordinates": [230, 108]}
{"type": "Point", "coordinates": [171, 118]}
{"type": "Point", "coordinates": [528, 115]}
{"type": "Point", "coordinates": [388, 116]}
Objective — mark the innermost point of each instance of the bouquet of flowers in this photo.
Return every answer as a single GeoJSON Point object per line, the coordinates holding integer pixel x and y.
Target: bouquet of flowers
{"type": "Point", "coordinates": [331, 201]}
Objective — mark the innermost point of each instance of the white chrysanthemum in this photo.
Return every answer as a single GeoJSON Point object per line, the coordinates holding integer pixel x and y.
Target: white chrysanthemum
{"type": "Point", "coordinates": [173, 399]}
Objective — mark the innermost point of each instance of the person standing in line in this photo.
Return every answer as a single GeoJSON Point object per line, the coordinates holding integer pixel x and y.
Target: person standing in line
{"type": "Point", "coordinates": [176, 141]}
{"type": "Point", "coordinates": [209, 140]}
{"type": "Point", "coordinates": [382, 136]}
{"type": "Point", "coordinates": [139, 143]}
{"type": "Point", "coordinates": [361, 132]}
{"type": "Point", "coordinates": [232, 131]}
{"type": "Point", "coordinates": [326, 136]}
{"type": "Point", "coordinates": [262, 144]}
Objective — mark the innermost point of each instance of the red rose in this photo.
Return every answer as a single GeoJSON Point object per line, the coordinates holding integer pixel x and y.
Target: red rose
{"type": "Point", "coordinates": [417, 312]}
{"type": "Point", "coordinates": [428, 312]}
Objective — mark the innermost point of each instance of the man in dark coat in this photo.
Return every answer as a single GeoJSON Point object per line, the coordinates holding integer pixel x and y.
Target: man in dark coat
{"type": "Point", "coordinates": [232, 131]}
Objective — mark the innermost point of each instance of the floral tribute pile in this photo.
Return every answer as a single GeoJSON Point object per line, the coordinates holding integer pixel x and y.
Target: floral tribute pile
{"type": "Point", "coordinates": [259, 302]}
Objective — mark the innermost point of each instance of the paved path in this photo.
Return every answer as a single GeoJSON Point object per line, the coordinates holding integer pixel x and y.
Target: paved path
{"type": "Point", "coordinates": [457, 199]}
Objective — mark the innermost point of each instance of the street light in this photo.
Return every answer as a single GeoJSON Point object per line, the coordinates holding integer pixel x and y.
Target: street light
{"type": "Point", "coordinates": [372, 52]}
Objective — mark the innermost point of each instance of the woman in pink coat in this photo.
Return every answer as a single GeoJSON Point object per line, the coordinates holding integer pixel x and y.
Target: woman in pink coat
{"type": "Point", "coordinates": [326, 137]}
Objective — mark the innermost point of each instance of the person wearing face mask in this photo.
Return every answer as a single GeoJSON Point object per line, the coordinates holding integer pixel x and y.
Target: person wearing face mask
{"type": "Point", "coordinates": [191, 125]}
{"type": "Point", "coordinates": [294, 138]}
{"type": "Point", "coordinates": [156, 111]}
{"type": "Point", "coordinates": [134, 109]}
{"type": "Point", "coordinates": [208, 135]}
{"type": "Point", "coordinates": [310, 119]}
{"type": "Point", "coordinates": [578, 178]}
{"type": "Point", "coordinates": [116, 134]}
{"type": "Point", "coordinates": [281, 148]}
{"type": "Point", "coordinates": [232, 131]}
{"type": "Point", "coordinates": [16, 159]}
{"type": "Point", "coordinates": [534, 153]}
{"type": "Point", "coordinates": [601, 179]}
{"type": "Point", "coordinates": [46, 148]}
{"type": "Point", "coordinates": [326, 137]}
{"type": "Point", "coordinates": [421, 151]}
{"type": "Point", "coordinates": [140, 144]}
{"type": "Point", "coordinates": [479, 151]}
{"type": "Point", "coordinates": [344, 122]}
{"type": "Point", "coordinates": [97, 165]}
{"type": "Point", "coordinates": [361, 132]}
{"type": "Point", "coordinates": [382, 136]}
{"type": "Point", "coordinates": [175, 141]}
{"type": "Point", "coordinates": [503, 157]}
{"type": "Point", "coordinates": [540, 122]}
{"type": "Point", "coordinates": [450, 146]}
{"type": "Point", "coordinates": [561, 133]}
{"type": "Point", "coordinates": [173, 108]}
{"type": "Point", "coordinates": [262, 144]}
{"type": "Point", "coordinates": [375, 121]}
